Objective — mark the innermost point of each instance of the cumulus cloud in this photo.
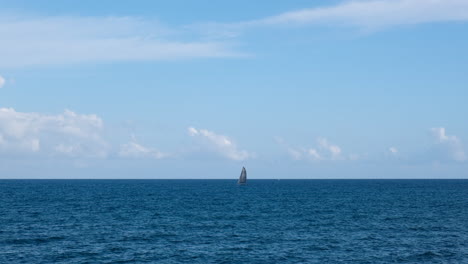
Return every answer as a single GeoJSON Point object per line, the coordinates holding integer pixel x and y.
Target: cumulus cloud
{"type": "Point", "coordinates": [323, 151]}
{"type": "Point", "coordinates": [133, 149]}
{"type": "Point", "coordinates": [2, 81]}
{"type": "Point", "coordinates": [192, 131]}
{"type": "Point", "coordinates": [313, 153]}
{"type": "Point", "coordinates": [33, 40]}
{"type": "Point", "coordinates": [333, 150]}
{"type": "Point", "coordinates": [68, 133]}
{"type": "Point", "coordinates": [448, 145]}
{"type": "Point", "coordinates": [220, 144]}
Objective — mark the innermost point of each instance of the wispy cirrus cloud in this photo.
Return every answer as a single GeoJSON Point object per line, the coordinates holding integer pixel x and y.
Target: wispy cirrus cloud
{"type": "Point", "coordinates": [374, 13]}
{"type": "Point", "coordinates": [220, 144]}
{"type": "Point", "coordinates": [367, 15]}
{"type": "Point", "coordinates": [2, 81]}
{"type": "Point", "coordinates": [57, 40]}
{"type": "Point", "coordinates": [45, 40]}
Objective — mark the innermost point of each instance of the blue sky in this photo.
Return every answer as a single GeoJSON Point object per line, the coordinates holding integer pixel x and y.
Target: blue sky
{"type": "Point", "coordinates": [197, 89]}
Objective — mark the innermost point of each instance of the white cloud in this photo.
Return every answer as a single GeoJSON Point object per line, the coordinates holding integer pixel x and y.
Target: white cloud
{"type": "Point", "coordinates": [67, 133]}
{"type": "Point", "coordinates": [366, 15]}
{"type": "Point", "coordinates": [324, 151]}
{"type": "Point", "coordinates": [333, 150]}
{"type": "Point", "coordinates": [393, 150]}
{"type": "Point", "coordinates": [55, 40]}
{"type": "Point", "coordinates": [220, 144]}
{"type": "Point", "coordinates": [2, 81]}
{"type": "Point", "coordinates": [449, 144]}
{"type": "Point", "coordinates": [192, 131]}
{"type": "Point", "coordinates": [34, 144]}
{"type": "Point", "coordinates": [313, 153]}
{"type": "Point", "coordinates": [439, 134]}
{"type": "Point", "coordinates": [133, 149]}
{"type": "Point", "coordinates": [65, 149]}
{"type": "Point", "coordinates": [374, 14]}
{"type": "Point", "coordinates": [296, 154]}
{"type": "Point", "coordinates": [65, 40]}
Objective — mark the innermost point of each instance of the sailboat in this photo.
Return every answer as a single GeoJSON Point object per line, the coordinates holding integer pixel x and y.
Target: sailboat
{"type": "Point", "coordinates": [243, 177]}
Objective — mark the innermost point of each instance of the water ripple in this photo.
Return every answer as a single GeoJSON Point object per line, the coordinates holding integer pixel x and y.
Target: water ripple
{"type": "Point", "coordinates": [219, 222]}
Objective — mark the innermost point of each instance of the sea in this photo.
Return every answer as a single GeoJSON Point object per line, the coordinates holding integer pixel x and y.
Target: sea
{"type": "Point", "coordinates": [219, 221]}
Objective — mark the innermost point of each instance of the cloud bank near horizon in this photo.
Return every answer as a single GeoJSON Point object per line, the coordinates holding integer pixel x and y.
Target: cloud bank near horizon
{"type": "Point", "coordinates": [67, 134]}
{"type": "Point", "coordinates": [75, 135]}
{"type": "Point", "coordinates": [323, 151]}
{"type": "Point", "coordinates": [447, 147]}
{"type": "Point", "coordinates": [443, 148]}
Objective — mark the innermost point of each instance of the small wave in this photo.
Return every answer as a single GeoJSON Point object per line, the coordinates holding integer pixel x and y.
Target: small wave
{"type": "Point", "coordinates": [19, 241]}
{"type": "Point", "coordinates": [425, 256]}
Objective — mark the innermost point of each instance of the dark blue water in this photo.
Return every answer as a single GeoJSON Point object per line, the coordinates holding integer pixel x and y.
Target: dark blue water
{"type": "Point", "coordinates": [216, 221]}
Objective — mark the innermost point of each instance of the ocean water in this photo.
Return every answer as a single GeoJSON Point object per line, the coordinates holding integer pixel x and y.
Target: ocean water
{"type": "Point", "coordinates": [217, 221]}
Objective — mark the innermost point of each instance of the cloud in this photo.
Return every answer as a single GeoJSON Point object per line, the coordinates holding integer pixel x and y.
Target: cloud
{"type": "Point", "coordinates": [57, 40]}
{"type": "Point", "coordinates": [2, 81]}
{"type": "Point", "coordinates": [373, 14]}
{"type": "Point", "coordinates": [192, 131]}
{"type": "Point", "coordinates": [323, 151]}
{"type": "Point", "coordinates": [393, 150]}
{"type": "Point", "coordinates": [313, 153]}
{"type": "Point", "coordinates": [69, 133]}
{"type": "Point", "coordinates": [448, 146]}
{"type": "Point", "coordinates": [367, 15]}
{"type": "Point", "coordinates": [133, 149]}
{"type": "Point", "coordinates": [220, 144]}
{"type": "Point", "coordinates": [67, 40]}
{"type": "Point", "coordinates": [296, 154]}
{"type": "Point", "coordinates": [333, 150]}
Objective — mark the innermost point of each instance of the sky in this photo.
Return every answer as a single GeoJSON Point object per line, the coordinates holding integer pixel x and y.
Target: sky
{"type": "Point", "coordinates": [197, 89]}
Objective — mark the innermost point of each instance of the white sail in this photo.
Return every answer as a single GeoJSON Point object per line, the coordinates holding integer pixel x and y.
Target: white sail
{"type": "Point", "coordinates": [243, 176]}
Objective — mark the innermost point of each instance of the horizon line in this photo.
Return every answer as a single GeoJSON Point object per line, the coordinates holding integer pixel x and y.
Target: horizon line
{"type": "Point", "coordinates": [216, 179]}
